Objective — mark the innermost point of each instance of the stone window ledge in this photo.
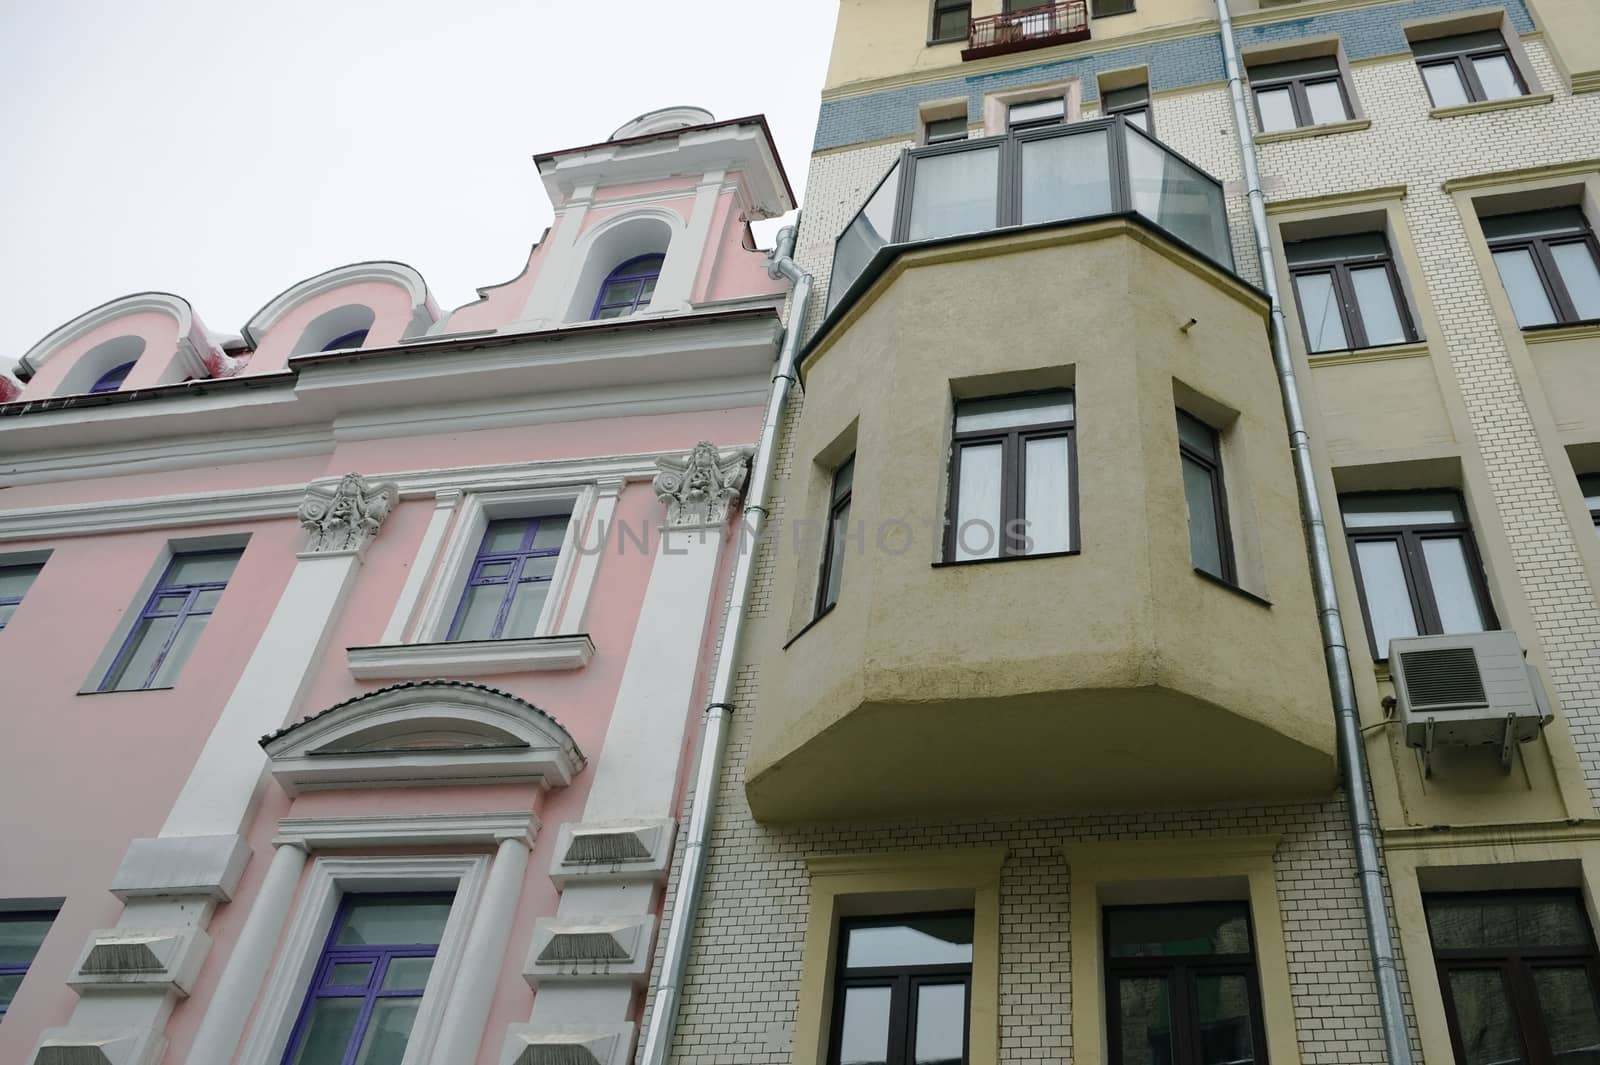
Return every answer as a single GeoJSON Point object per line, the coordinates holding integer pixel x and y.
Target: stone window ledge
{"type": "Point", "coordinates": [1326, 129]}
{"type": "Point", "coordinates": [470, 658]}
{"type": "Point", "coordinates": [1484, 106]}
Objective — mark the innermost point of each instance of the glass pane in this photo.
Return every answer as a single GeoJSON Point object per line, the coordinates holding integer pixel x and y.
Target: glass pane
{"type": "Point", "coordinates": [206, 600]}
{"type": "Point", "coordinates": [839, 544]}
{"type": "Point", "coordinates": [1047, 494]}
{"type": "Point", "coordinates": [1295, 68]}
{"type": "Point", "coordinates": [955, 193]}
{"type": "Point", "coordinates": [504, 536]}
{"type": "Point", "coordinates": [528, 601]}
{"type": "Point", "coordinates": [149, 637]}
{"type": "Point", "coordinates": [1008, 412]}
{"type": "Point", "coordinates": [201, 569]}
{"type": "Point", "coordinates": [1335, 249]}
{"type": "Point", "coordinates": [551, 531]}
{"type": "Point", "coordinates": [1581, 276]}
{"type": "Point", "coordinates": [1222, 1008]}
{"type": "Point", "coordinates": [6, 610]}
{"type": "Point", "coordinates": [648, 290]}
{"type": "Point", "coordinates": [1484, 1023]}
{"type": "Point", "coordinates": [1589, 485]}
{"type": "Point", "coordinates": [1368, 510]}
{"type": "Point", "coordinates": [1036, 112]}
{"type": "Point", "coordinates": [1276, 108]}
{"type": "Point", "coordinates": [349, 974]}
{"type": "Point", "coordinates": [1566, 1002]}
{"type": "Point", "coordinates": [169, 604]}
{"type": "Point", "coordinates": [1144, 1016]}
{"type": "Point", "coordinates": [493, 571]}
{"type": "Point", "coordinates": [407, 974]}
{"type": "Point", "coordinates": [188, 635]}
{"type": "Point", "coordinates": [20, 938]}
{"type": "Point", "coordinates": [538, 568]}
{"type": "Point", "coordinates": [1327, 102]}
{"type": "Point", "coordinates": [1178, 931]}
{"type": "Point", "coordinates": [1196, 434]}
{"type": "Point", "coordinates": [1319, 307]}
{"type": "Point", "coordinates": [623, 292]}
{"type": "Point", "coordinates": [1137, 94]}
{"type": "Point", "coordinates": [978, 502]}
{"type": "Point", "coordinates": [393, 922]}
{"type": "Point", "coordinates": [1380, 314]}
{"type": "Point", "coordinates": [1383, 578]}
{"type": "Point", "coordinates": [1445, 86]}
{"type": "Point", "coordinates": [388, 1031]}
{"type": "Point", "coordinates": [1450, 575]}
{"type": "Point", "coordinates": [947, 129]}
{"type": "Point", "coordinates": [950, 22]}
{"type": "Point", "coordinates": [1066, 177]}
{"type": "Point", "coordinates": [328, 1031]}
{"type": "Point", "coordinates": [1461, 42]}
{"type": "Point", "coordinates": [1479, 921]}
{"type": "Point", "coordinates": [1140, 118]}
{"type": "Point", "coordinates": [9, 982]}
{"type": "Point", "coordinates": [612, 312]}
{"type": "Point", "coordinates": [1551, 222]}
{"type": "Point", "coordinates": [941, 1023]}
{"type": "Point", "coordinates": [872, 228]}
{"type": "Point", "coordinates": [864, 1032]}
{"type": "Point", "coordinates": [844, 479]}
{"type": "Point", "coordinates": [479, 608]}
{"type": "Point", "coordinates": [937, 939]}
{"type": "Point", "coordinates": [1497, 77]}
{"type": "Point", "coordinates": [1205, 532]}
{"type": "Point", "coordinates": [15, 580]}
{"type": "Point", "coordinates": [1178, 198]}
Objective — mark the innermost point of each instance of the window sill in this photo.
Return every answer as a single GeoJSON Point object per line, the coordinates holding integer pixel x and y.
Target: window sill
{"type": "Point", "coordinates": [125, 691]}
{"type": "Point", "coordinates": [1388, 351]}
{"type": "Point", "coordinates": [1484, 106]}
{"type": "Point", "coordinates": [807, 627]}
{"type": "Point", "coordinates": [470, 658]}
{"type": "Point", "coordinates": [1234, 588]}
{"type": "Point", "coordinates": [1002, 558]}
{"type": "Point", "coordinates": [1555, 334]}
{"type": "Point", "coordinates": [1327, 129]}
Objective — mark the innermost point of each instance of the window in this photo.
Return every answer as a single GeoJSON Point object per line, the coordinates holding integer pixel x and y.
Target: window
{"type": "Point", "coordinates": [1132, 103]}
{"type": "Point", "coordinates": [1200, 451]}
{"type": "Point", "coordinates": [1518, 972]}
{"type": "Point", "coordinates": [369, 980]}
{"type": "Point", "coordinates": [629, 287]}
{"type": "Point", "coordinates": [14, 584]}
{"type": "Point", "coordinates": [950, 18]}
{"type": "Point", "coordinates": [510, 579]}
{"type": "Point", "coordinates": [903, 986]}
{"type": "Point", "coordinates": [172, 620]}
{"type": "Point", "coordinates": [1416, 565]}
{"type": "Point", "coordinates": [944, 130]}
{"type": "Point", "coordinates": [1036, 113]}
{"type": "Point", "coordinates": [1589, 483]}
{"type": "Point", "coordinates": [1299, 92]}
{"type": "Point", "coordinates": [1348, 292]}
{"type": "Point", "coordinates": [1181, 985]}
{"type": "Point", "coordinates": [112, 379]}
{"type": "Point", "coordinates": [353, 339]}
{"type": "Point", "coordinates": [21, 934]}
{"type": "Point", "coordinates": [838, 529]}
{"type": "Point", "coordinates": [1549, 263]}
{"type": "Point", "coordinates": [1013, 476]}
{"type": "Point", "coordinates": [1102, 8]}
{"type": "Point", "coordinates": [1468, 68]}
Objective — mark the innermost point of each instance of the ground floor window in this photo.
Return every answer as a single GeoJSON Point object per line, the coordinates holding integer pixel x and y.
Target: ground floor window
{"type": "Point", "coordinates": [902, 991]}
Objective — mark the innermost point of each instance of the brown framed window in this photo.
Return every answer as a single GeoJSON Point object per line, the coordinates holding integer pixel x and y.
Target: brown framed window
{"type": "Point", "coordinates": [833, 549]}
{"type": "Point", "coordinates": [1468, 68]}
{"type": "Point", "coordinates": [1132, 103]}
{"type": "Point", "coordinates": [1549, 263]}
{"type": "Point", "coordinates": [1348, 292]}
{"type": "Point", "coordinates": [1200, 451]}
{"type": "Point", "coordinates": [1299, 92]}
{"type": "Point", "coordinates": [1051, 111]}
{"type": "Point", "coordinates": [1103, 8]}
{"type": "Point", "coordinates": [1181, 985]}
{"type": "Point", "coordinates": [950, 19]}
{"type": "Point", "coordinates": [944, 130]}
{"type": "Point", "coordinates": [1590, 485]}
{"type": "Point", "coordinates": [1518, 972]}
{"type": "Point", "coordinates": [1417, 567]}
{"type": "Point", "coordinates": [902, 990]}
{"type": "Point", "coordinates": [1013, 478]}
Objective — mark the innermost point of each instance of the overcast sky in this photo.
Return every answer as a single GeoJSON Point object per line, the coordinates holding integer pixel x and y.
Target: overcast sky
{"type": "Point", "coordinates": [224, 150]}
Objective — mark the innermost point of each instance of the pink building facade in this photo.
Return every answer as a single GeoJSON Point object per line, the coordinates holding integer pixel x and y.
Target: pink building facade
{"type": "Point", "coordinates": [352, 663]}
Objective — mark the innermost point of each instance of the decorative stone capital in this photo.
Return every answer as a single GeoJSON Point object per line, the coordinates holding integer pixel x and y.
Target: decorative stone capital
{"type": "Point", "coordinates": [347, 518]}
{"type": "Point", "coordinates": [702, 487]}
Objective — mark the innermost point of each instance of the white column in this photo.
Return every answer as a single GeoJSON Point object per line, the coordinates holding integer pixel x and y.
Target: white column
{"type": "Point", "coordinates": [481, 959]}
{"type": "Point", "coordinates": [223, 1024]}
{"type": "Point", "coordinates": [675, 286]}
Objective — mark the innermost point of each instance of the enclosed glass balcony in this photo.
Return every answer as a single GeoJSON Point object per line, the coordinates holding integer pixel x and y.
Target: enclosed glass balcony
{"type": "Point", "coordinates": [1029, 178]}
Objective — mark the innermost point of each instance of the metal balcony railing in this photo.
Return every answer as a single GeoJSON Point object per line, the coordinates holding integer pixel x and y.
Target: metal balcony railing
{"type": "Point", "coordinates": [1035, 177]}
{"type": "Point", "coordinates": [1033, 27]}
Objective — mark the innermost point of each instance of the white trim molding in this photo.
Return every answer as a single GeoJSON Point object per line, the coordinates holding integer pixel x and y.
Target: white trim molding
{"type": "Point", "coordinates": [469, 658]}
{"type": "Point", "coordinates": [407, 830]}
{"type": "Point", "coordinates": [424, 311]}
{"type": "Point", "coordinates": [578, 1044]}
{"type": "Point", "coordinates": [192, 347]}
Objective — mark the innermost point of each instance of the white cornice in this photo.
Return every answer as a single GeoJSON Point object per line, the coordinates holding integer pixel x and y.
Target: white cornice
{"type": "Point", "coordinates": [473, 658]}
{"type": "Point", "coordinates": [171, 453]}
{"type": "Point", "coordinates": [424, 312]}
{"type": "Point", "coordinates": [409, 830]}
{"type": "Point", "coordinates": [175, 307]}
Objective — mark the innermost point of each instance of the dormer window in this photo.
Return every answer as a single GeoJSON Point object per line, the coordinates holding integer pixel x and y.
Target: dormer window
{"type": "Point", "coordinates": [112, 379]}
{"type": "Point", "coordinates": [353, 339]}
{"type": "Point", "coordinates": [628, 288]}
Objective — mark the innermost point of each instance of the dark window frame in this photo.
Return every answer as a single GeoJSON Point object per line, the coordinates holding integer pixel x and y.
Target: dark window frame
{"type": "Point", "coordinates": [1300, 102]}
{"type": "Point", "coordinates": [1465, 70]}
{"type": "Point", "coordinates": [517, 558]}
{"type": "Point", "coordinates": [21, 970]}
{"type": "Point", "coordinates": [1127, 111]}
{"type": "Point", "coordinates": [1550, 276]}
{"type": "Point", "coordinates": [1096, 8]}
{"type": "Point", "coordinates": [837, 502]}
{"type": "Point", "coordinates": [1409, 540]}
{"type": "Point", "coordinates": [939, 7]}
{"type": "Point", "coordinates": [1515, 965]}
{"type": "Point", "coordinates": [1049, 122]}
{"type": "Point", "coordinates": [930, 137]}
{"type": "Point", "coordinates": [1219, 495]}
{"type": "Point", "coordinates": [15, 601]}
{"type": "Point", "coordinates": [1013, 478]}
{"type": "Point", "coordinates": [150, 610]}
{"type": "Point", "coordinates": [1584, 481]}
{"type": "Point", "coordinates": [1178, 969]}
{"type": "Point", "coordinates": [1355, 326]}
{"type": "Point", "coordinates": [903, 980]}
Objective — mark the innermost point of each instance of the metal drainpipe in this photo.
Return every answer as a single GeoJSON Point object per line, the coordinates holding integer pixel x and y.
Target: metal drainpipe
{"type": "Point", "coordinates": [1352, 755]}
{"type": "Point", "coordinates": [713, 736]}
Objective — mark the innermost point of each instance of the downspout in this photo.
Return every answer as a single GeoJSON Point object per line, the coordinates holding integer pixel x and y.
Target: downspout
{"type": "Point", "coordinates": [1352, 756]}
{"type": "Point", "coordinates": [663, 1018]}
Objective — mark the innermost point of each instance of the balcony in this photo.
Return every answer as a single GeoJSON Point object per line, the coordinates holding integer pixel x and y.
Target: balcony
{"type": "Point", "coordinates": [1032, 178]}
{"type": "Point", "coordinates": [1033, 27]}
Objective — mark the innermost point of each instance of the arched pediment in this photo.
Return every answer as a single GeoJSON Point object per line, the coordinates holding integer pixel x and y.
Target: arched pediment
{"type": "Point", "coordinates": [193, 344]}
{"type": "Point", "coordinates": [421, 733]}
{"type": "Point", "coordinates": [424, 312]}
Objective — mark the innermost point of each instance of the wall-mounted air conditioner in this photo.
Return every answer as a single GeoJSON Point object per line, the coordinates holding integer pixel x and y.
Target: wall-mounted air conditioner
{"type": "Point", "coordinates": [1468, 690]}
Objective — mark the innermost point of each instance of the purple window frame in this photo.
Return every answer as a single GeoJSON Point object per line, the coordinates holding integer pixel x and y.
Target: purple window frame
{"type": "Point", "coordinates": [353, 339]}
{"type": "Point", "coordinates": [112, 379]}
{"type": "Point", "coordinates": [380, 955]}
{"type": "Point", "coordinates": [47, 916]}
{"type": "Point", "coordinates": [15, 601]}
{"type": "Point", "coordinates": [183, 613]}
{"type": "Point", "coordinates": [641, 268]}
{"type": "Point", "coordinates": [513, 579]}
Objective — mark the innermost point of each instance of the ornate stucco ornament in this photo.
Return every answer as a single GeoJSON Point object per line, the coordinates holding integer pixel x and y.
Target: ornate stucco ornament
{"type": "Point", "coordinates": [347, 518]}
{"type": "Point", "coordinates": [702, 487]}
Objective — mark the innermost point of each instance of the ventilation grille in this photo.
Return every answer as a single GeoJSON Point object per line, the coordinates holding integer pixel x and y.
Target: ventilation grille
{"type": "Point", "coordinates": [583, 946]}
{"type": "Point", "coordinates": [1442, 678]}
{"type": "Point", "coordinates": [594, 848]}
{"type": "Point", "coordinates": [87, 1054]}
{"type": "Point", "coordinates": [113, 959]}
{"type": "Point", "coordinates": [557, 1054]}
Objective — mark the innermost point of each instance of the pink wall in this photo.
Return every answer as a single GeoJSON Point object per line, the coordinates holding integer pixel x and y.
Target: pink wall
{"type": "Point", "coordinates": [159, 332]}
{"type": "Point", "coordinates": [391, 308]}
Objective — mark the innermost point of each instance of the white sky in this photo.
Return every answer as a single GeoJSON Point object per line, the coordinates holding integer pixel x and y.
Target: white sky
{"type": "Point", "coordinates": [224, 149]}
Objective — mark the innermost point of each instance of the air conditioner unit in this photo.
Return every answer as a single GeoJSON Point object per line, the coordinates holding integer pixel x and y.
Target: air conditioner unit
{"type": "Point", "coordinates": [1467, 690]}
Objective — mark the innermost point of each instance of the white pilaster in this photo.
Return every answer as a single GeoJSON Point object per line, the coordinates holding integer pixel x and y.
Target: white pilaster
{"type": "Point", "coordinates": [473, 992]}
{"type": "Point", "coordinates": [558, 276]}
{"type": "Point", "coordinates": [675, 286]}
{"type": "Point", "coordinates": [444, 508]}
{"type": "Point", "coordinates": [591, 545]}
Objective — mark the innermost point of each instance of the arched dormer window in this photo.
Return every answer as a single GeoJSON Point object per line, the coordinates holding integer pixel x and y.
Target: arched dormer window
{"type": "Point", "coordinates": [103, 367]}
{"type": "Point", "coordinates": [112, 379]}
{"type": "Point", "coordinates": [629, 287]}
{"type": "Point", "coordinates": [353, 339]}
{"type": "Point", "coordinates": [342, 327]}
